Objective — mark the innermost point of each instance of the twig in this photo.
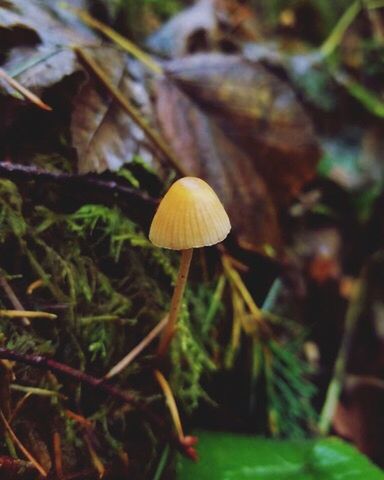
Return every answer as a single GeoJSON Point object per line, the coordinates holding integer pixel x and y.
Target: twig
{"type": "Point", "coordinates": [171, 402]}
{"type": "Point", "coordinates": [339, 371]}
{"type": "Point", "coordinates": [56, 440]}
{"type": "Point", "coordinates": [83, 189]}
{"type": "Point", "coordinates": [27, 314]}
{"type": "Point", "coordinates": [96, 462]}
{"type": "Point", "coordinates": [138, 349]}
{"type": "Point", "coordinates": [135, 115]}
{"type": "Point", "coordinates": [36, 284]}
{"type": "Point", "coordinates": [123, 42]}
{"type": "Point", "coordinates": [12, 434]}
{"type": "Point", "coordinates": [13, 299]}
{"type": "Point", "coordinates": [9, 466]}
{"type": "Point", "coordinates": [42, 392]}
{"type": "Point", "coordinates": [45, 363]}
{"type": "Point", "coordinates": [341, 27]}
{"type": "Point", "coordinates": [24, 91]}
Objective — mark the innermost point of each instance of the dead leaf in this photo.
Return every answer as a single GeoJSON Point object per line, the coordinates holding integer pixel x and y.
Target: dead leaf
{"type": "Point", "coordinates": [193, 29]}
{"type": "Point", "coordinates": [209, 25]}
{"type": "Point", "coordinates": [258, 112]}
{"type": "Point", "coordinates": [102, 132]}
{"type": "Point", "coordinates": [205, 151]}
{"type": "Point", "coordinates": [60, 28]}
{"type": "Point", "coordinates": [40, 57]}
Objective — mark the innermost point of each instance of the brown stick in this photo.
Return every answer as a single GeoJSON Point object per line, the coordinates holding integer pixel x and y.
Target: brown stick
{"type": "Point", "coordinates": [45, 363]}
{"type": "Point", "coordinates": [137, 350]}
{"type": "Point", "coordinates": [82, 189]}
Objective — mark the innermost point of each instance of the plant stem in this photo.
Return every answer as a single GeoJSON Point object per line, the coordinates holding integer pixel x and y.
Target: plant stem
{"type": "Point", "coordinates": [153, 135]}
{"type": "Point", "coordinates": [335, 37]}
{"type": "Point", "coordinates": [169, 330]}
{"type": "Point", "coordinates": [138, 349]}
{"type": "Point", "coordinates": [336, 385]}
{"type": "Point", "coordinates": [13, 299]}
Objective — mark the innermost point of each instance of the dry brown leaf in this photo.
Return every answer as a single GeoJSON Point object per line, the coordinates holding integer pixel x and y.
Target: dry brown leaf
{"type": "Point", "coordinates": [102, 132]}
{"type": "Point", "coordinates": [205, 151]}
{"type": "Point", "coordinates": [51, 23]}
{"type": "Point", "coordinates": [258, 112]}
{"type": "Point", "coordinates": [40, 57]}
{"type": "Point", "coordinates": [208, 25]}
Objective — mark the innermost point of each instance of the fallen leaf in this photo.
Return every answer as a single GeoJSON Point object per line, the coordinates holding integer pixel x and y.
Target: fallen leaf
{"type": "Point", "coordinates": [102, 132]}
{"type": "Point", "coordinates": [258, 112]}
{"type": "Point", "coordinates": [40, 57]}
{"type": "Point", "coordinates": [208, 25]}
{"type": "Point", "coordinates": [205, 151]}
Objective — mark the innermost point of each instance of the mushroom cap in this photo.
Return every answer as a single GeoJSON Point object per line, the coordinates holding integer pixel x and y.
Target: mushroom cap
{"type": "Point", "coordinates": [190, 215]}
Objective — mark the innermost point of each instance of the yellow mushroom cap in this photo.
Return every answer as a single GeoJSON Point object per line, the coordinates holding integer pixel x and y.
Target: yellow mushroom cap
{"type": "Point", "coordinates": [189, 216]}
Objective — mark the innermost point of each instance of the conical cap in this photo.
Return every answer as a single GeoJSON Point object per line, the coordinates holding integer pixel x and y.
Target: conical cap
{"type": "Point", "coordinates": [189, 216]}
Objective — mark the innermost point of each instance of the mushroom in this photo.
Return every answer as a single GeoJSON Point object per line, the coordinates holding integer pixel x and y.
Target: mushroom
{"type": "Point", "coordinates": [189, 216]}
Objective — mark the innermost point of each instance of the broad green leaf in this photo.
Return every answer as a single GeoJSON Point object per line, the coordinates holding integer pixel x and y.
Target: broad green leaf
{"type": "Point", "coordinates": [238, 457]}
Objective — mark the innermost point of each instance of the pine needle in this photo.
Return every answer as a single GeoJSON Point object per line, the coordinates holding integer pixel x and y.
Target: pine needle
{"type": "Point", "coordinates": [28, 455]}
{"type": "Point", "coordinates": [27, 314]}
{"type": "Point", "coordinates": [24, 91]}
{"type": "Point", "coordinates": [135, 115]}
{"type": "Point", "coordinates": [171, 402]}
{"type": "Point", "coordinates": [121, 41]}
{"type": "Point", "coordinates": [138, 349]}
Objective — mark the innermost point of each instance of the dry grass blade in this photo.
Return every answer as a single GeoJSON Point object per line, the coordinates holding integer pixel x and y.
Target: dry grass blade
{"type": "Point", "coordinates": [24, 91]}
{"type": "Point", "coordinates": [58, 455]}
{"type": "Point", "coordinates": [138, 349]}
{"type": "Point", "coordinates": [25, 452]}
{"type": "Point", "coordinates": [171, 402]}
{"type": "Point", "coordinates": [13, 299]}
{"type": "Point", "coordinates": [135, 115]}
{"type": "Point", "coordinates": [121, 41]}
{"type": "Point", "coordinates": [97, 463]}
{"type": "Point", "coordinates": [27, 314]}
{"type": "Point", "coordinates": [36, 284]}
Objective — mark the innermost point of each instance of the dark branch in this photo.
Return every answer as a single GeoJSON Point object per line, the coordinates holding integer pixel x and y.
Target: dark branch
{"type": "Point", "coordinates": [72, 191]}
{"type": "Point", "coordinates": [45, 363]}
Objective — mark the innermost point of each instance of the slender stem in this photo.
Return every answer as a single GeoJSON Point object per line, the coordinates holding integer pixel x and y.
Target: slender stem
{"type": "Point", "coordinates": [13, 298]}
{"type": "Point", "coordinates": [138, 349]}
{"type": "Point", "coordinates": [26, 314]}
{"type": "Point", "coordinates": [24, 91]}
{"type": "Point", "coordinates": [121, 41]}
{"type": "Point", "coordinates": [336, 385]}
{"type": "Point", "coordinates": [154, 136]}
{"type": "Point", "coordinates": [45, 363]}
{"type": "Point", "coordinates": [335, 37]}
{"type": "Point", "coordinates": [169, 330]}
{"type": "Point", "coordinates": [171, 402]}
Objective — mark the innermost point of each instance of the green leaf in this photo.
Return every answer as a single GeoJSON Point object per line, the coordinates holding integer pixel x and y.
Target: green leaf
{"type": "Point", "coordinates": [239, 457]}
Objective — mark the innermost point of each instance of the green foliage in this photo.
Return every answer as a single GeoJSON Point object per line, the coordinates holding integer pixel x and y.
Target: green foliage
{"type": "Point", "coordinates": [234, 457]}
{"type": "Point", "coordinates": [11, 219]}
{"type": "Point", "coordinates": [109, 286]}
{"type": "Point", "coordinates": [289, 390]}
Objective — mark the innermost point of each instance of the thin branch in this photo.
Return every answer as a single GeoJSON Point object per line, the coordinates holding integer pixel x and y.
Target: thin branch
{"type": "Point", "coordinates": [24, 91]}
{"type": "Point", "coordinates": [45, 363]}
{"type": "Point", "coordinates": [336, 385]}
{"type": "Point", "coordinates": [82, 189]}
{"type": "Point", "coordinates": [138, 349]}
{"type": "Point", "coordinates": [27, 314]}
{"type": "Point", "coordinates": [335, 37]}
{"type": "Point", "coordinates": [121, 41]}
{"type": "Point", "coordinates": [12, 434]}
{"type": "Point", "coordinates": [17, 305]}
{"type": "Point", "coordinates": [135, 115]}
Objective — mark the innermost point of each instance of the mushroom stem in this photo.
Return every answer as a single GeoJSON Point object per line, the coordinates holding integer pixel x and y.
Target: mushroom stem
{"type": "Point", "coordinates": [169, 330]}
